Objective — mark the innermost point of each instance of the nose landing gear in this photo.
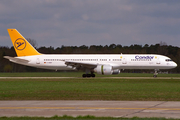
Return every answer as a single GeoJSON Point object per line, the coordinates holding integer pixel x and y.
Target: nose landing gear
{"type": "Point", "coordinates": [155, 73]}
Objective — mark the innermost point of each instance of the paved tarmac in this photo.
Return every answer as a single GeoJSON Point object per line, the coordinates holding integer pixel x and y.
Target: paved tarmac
{"type": "Point", "coordinates": [75, 108]}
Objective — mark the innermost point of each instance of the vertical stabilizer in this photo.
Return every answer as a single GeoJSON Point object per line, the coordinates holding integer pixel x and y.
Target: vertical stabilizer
{"type": "Point", "coordinates": [21, 45]}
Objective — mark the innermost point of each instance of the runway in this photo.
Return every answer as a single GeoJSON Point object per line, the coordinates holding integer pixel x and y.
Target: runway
{"type": "Point", "coordinates": [75, 108]}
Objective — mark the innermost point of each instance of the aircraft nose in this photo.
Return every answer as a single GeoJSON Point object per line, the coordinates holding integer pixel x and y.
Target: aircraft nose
{"type": "Point", "coordinates": [174, 64]}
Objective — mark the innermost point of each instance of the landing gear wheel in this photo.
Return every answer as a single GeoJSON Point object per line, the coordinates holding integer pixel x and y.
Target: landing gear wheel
{"type": "Point", "coordinates": [155, 76]}
{"type": "Point", "coordinates": [84, 75]}
{"type": "Point", "coordinates": [93, 75]}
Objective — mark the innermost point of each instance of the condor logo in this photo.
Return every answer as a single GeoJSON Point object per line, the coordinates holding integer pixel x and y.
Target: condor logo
{"type": "Point", "coordinates": [144, 57]}
{"type": "Point", "coordinates": [20, 44]}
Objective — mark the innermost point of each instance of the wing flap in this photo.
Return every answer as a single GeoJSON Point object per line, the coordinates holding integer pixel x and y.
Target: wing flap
{"type": "Point", "coordinates": [80, 65]}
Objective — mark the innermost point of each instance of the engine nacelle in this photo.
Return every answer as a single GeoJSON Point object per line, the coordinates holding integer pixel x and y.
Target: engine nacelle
{"type": "Point", "coordinates": [103, 69]}
{"type": "Point", "coordinates": [106, 70]}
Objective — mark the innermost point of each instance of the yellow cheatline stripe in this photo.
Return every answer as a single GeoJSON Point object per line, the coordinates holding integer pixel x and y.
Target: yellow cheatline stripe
{"type": "Point", "coordinates": [178, 109]}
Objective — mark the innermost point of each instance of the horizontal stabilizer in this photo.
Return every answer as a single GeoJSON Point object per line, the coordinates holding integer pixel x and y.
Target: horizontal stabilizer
{"type": "Point", "coordinates": [17, 60]}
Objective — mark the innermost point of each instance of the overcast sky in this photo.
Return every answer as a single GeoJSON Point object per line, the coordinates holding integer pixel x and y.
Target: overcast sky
{"type": "Point", "coordinates": [92, 22]}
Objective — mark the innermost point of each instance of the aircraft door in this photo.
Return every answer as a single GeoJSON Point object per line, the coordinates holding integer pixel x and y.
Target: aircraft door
{"type": "Point", "coordinates": [37, 61]}
{"type": "Point", "coordinates": [158, 61]}
{"type": "Point", "coordinates": [124, 61]}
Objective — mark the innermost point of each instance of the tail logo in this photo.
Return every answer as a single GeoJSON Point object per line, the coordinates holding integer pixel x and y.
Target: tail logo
{"type": "Point", "coordinates": [20, 44]}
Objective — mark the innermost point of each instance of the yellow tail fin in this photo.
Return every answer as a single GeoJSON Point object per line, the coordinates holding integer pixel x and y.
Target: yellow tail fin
{"type": "Point", "coordinates": [21, 45]}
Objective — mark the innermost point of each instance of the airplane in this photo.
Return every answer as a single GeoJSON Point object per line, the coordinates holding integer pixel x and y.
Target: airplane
{"type": "Point", "coordinates": [104, 64]}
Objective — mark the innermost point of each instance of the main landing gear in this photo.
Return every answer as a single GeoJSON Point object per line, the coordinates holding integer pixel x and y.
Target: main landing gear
{"type": "Point", "coordinates": [155, 73]}
{"type": "Point", "coordinates": [88, 75]}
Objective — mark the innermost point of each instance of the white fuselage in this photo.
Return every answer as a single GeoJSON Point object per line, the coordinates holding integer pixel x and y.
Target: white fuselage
{"type": "Point", "coordinates": [117, 61]}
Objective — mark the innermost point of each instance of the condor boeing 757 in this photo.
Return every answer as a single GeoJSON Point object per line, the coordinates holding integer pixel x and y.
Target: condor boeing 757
{"type": "Point", "coordinates": [105, 64]}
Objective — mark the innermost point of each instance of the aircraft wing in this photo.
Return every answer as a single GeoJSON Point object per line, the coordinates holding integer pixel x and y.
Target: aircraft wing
{"type": "Point", "coordinates": [16, 60]}
{"type": "Point", "coordinates": [80, 65]}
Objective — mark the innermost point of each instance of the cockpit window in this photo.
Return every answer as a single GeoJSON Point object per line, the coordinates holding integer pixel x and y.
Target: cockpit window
{"type": "Point", "coordinates": [167, 60]}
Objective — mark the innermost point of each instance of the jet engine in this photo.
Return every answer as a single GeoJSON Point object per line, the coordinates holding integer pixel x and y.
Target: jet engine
{"type": "Point", "coordinates": [106, 70]}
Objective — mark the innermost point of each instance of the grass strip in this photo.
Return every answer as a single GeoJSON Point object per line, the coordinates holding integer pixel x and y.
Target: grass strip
{"type": "Point", "coordinates": [79, 74]}
{"type": "Point", "coordinates": [90, 89]}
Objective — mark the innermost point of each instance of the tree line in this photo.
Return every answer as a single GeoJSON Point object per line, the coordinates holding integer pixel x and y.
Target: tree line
{"type": "Point", "coordinates": [161, 48]}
